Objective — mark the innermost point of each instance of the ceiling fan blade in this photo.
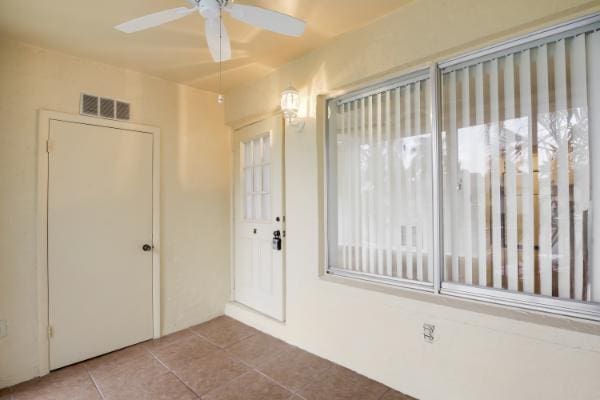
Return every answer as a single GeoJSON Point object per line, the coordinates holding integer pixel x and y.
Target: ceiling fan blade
{"type": "Point", "coordinates": [156, 19]}
{"type": "Point", "coordinates": [214, 38]}
{"type": "Point", "coordinates": [267, 19]}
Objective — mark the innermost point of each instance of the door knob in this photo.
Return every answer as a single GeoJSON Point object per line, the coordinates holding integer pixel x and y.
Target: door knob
{"type": "Point", "coordinates": [146, 247]}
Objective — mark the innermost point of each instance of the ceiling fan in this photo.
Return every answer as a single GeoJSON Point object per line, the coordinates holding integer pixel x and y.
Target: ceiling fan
{"type": "Point", "coordinates": [215, 32]}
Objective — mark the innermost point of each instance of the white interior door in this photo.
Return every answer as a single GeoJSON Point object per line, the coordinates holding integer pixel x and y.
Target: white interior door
{"type": "Point", "coordinates": [259, 214]}
{"type": "Point", "coordinates": [99, 219]}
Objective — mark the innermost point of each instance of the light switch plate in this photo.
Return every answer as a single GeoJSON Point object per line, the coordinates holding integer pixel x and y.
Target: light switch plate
{"type": "Point", "coordinates": [3, 328]}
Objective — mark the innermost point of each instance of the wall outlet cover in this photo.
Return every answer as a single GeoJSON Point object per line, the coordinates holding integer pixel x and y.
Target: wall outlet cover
{"type": "Point", "coordinates": [428, 332]}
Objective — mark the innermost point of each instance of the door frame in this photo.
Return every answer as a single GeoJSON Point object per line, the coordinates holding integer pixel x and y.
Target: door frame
{"type": "Point", "coordinates": [232, 249]}
{"type": "Point", "coordinates": [44, 119]}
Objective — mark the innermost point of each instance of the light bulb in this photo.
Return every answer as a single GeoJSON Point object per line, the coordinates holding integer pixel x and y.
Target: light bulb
{"type": "Point", "coordinates": [220, 99]}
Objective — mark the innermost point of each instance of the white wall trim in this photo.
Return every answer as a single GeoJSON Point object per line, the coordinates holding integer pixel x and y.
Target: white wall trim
{"type": "Point", "coordinates": [232, 215]}
{"type": "Point", "coordinates": [44, 118]}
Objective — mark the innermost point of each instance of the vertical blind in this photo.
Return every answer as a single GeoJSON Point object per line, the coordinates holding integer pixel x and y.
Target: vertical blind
{"type": "Point", "coordinates": [516, 169]}
{"type": "Point", "coordinates": [519, 142]}
{"type": "Point", "coordinates": [380, 210]}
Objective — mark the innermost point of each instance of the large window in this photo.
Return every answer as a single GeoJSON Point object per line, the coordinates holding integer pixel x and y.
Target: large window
{"type": "Point", "coordinates": [380, 177]}
{"type": "Point", "coordinates": [519, 129]}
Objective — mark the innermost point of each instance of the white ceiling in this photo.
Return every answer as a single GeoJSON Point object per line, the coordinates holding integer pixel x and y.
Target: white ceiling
{"type": "Point", "coordinates": [177, 51]}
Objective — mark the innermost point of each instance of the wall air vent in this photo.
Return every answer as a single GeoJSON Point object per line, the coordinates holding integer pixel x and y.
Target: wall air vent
{"type": "Point", "coordinates": [104, 107]}
{"type": "Point", "coordinates": [107, 108]}
{"type": "Point", "coordinates": [122, 110]}
{"type": "Point", "coordinates": [89, 105]}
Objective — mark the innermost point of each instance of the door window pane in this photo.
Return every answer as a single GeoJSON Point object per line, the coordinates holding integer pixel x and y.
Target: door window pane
{"type": "Point", "coordinates": [257, 187]}
{"type": "Point", "coordinates": [266, 156]}
{"type": "Point", "coordinates": [247, 154]}
{"type": "Point", "coordinates": [257, 179]}
{"type": "Point", "coordinates": [257, 149]}
{"type": "Point", "coordinates": [266, 206]}
{"type": "Point", "coordinates": [266, 178]}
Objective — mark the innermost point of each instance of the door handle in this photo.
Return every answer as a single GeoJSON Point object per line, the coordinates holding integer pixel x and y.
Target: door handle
{"type": "Point", "coordinates": [147, 247]}
{"type": "Point", "coordinates": [277, 240]}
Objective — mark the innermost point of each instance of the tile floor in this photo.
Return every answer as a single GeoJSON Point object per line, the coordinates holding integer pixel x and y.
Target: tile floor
{"type": "Point", "coordinates": [221, 359]}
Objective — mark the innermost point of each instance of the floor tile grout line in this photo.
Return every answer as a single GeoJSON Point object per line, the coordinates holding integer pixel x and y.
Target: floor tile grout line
{"type": "Point", "coordinates": [207, 339]}
{"type": "Point", "coordinates": [274, 381]}
{"type": "Point", "coordinates": [225, 384]}
{"type": "Point", "coordinates": [217, 349]}
{"type": "Point", "coordinates": [297, 391]}
{"type": "Point", "coordinates": [250, 370]}
{"type": "Point", "coordinates": [170, 370]}
{"type": "Point", "coordinates": [219, 346]}
{"type": "Point", "coordinates": [94, 382]}
{"type": "Point", "coordinates": [254, 368]}
{"type": "Point", "coordinates": [294, 392]}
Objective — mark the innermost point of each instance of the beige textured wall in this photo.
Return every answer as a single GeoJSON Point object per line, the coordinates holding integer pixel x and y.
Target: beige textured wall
{"type": "Point", "coordinates": [481, 351]}
{"type": "Point", "coordinates": [194, 189]}
{"type": "Point", "coordinates": [416, 34]}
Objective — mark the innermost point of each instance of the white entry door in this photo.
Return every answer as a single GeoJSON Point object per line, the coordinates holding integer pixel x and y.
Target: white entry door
{"type": "Point", "coordinates": [99, 221]}
{"type": "Point", "coordinates": [259, 217]}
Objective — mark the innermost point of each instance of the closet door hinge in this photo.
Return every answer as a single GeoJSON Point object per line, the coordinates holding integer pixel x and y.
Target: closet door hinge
{"type": "Point", "coordinates": [50, 332]}
{"type": "Point", "coordinates": [49, 146]}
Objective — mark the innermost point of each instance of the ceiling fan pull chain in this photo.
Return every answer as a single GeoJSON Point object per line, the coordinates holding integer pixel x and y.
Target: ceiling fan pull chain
{"type": "Point", "coordinates": [220, 97]}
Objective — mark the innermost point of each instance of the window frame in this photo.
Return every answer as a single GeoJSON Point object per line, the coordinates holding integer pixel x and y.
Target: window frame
{"type": "Point", "coordinates": [566, 307]}
{"type": "Point", "coordinates": [501, 297]}
{"type": "Point", "coordinates": [330, 193]}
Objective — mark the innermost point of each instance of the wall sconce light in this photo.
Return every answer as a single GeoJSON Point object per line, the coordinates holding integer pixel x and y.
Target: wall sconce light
{"type": "Point", "coordinates": [290, 106]}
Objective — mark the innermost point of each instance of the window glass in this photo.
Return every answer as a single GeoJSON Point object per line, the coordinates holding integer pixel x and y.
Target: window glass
{"type": "Point", "coordinates": [380, 215]}
{"type": "Point", "coordinates": [516, 182]}
{"type": "Point", "coordinates": [257, 179]}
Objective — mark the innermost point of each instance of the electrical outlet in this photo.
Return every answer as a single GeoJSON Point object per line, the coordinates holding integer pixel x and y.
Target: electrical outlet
{"type": "Point", "coordinates": [3, 328]}
{"type": "Point", "coordinates": [428, 332]}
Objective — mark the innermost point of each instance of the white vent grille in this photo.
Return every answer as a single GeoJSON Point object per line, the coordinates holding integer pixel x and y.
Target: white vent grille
{"type": "Point", "coordinates": [107, 108]}
{"type": "Point", "coordinates": [122, 110]}
{"type": "Point", "coordinates": [104, 107]}
{"type": "Point", "coordinates": [89, 105]}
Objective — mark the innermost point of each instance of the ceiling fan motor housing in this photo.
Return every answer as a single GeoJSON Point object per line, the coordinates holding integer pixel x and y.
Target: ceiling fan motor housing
{"type": "Point", "coordinates": [209, 8]}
